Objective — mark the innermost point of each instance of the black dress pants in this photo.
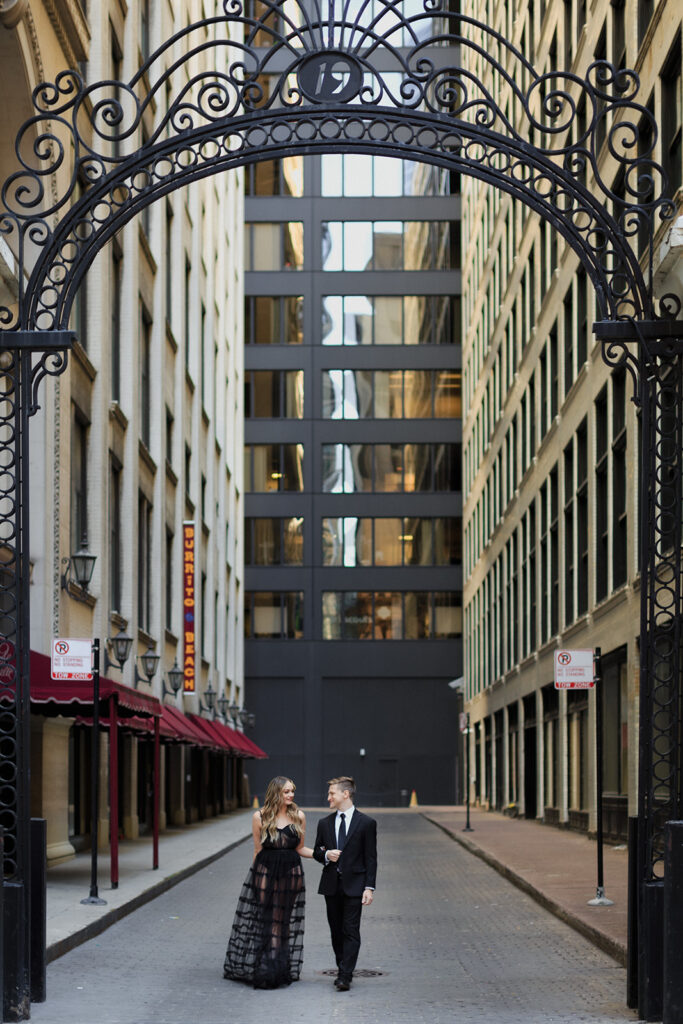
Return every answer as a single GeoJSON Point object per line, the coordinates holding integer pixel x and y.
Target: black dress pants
{"type": "Point", "coordinates": [343, 916]}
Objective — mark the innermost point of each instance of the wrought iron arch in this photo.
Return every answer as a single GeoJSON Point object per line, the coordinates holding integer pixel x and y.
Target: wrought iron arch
{"type": "Point", "coordinates": [377, 76]}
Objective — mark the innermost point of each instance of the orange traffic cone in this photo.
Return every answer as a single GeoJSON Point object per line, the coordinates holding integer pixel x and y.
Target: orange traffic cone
{"type": "Point", "coordinates": [413, 799]}
{"type": "Point", "coordinates": [254, 803]}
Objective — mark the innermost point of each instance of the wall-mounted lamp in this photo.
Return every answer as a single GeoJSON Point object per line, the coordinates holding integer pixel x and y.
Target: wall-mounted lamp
{"type": "Point", "coordinates": [210, 699]}
{"type": "Point", "coordinates": [223, 704]}
{"type": "Point", "coordinates": [243, 716]}
{"type": "Point", "coordinates": [175, 678]}
{"type": "Point", "coordinates": [149, 662]}
{"type": "Point", "coordinates": [234, 711]}
{"type": "Point", "coordinates": [251, 720]}
{"type": "Point", "coordinates": [121, 645]}
{"type": "Point", "coordinates": [78, 569]}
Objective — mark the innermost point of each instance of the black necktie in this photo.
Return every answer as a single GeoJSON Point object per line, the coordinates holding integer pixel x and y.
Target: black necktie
{"type": "Point", "coordinates": [341, 839]}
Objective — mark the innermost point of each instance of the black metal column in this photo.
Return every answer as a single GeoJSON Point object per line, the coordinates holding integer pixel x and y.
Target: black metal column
{"type": "Point", "coordinates": [659, 795]}
{"type": "Point", "coordinates": [14, 678]}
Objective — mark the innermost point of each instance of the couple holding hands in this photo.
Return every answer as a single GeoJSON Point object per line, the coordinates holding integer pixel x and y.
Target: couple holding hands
{"type": "Point", "coordinates": [266, 943]}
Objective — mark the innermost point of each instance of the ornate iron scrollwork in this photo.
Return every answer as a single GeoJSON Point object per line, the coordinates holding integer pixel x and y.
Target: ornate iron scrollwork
{"type": "Point", "coordinates": [390, 80]}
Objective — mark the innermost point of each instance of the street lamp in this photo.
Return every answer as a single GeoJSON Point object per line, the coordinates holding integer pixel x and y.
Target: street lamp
{"type": "Point", "coordinates": [150, 661]}
{"type": "Point", "coordinates": [79, 570]}
{"type": "Point", "coordinates": [121, 645]}
{"type": "Point", "coordinates": [210, 698]}
{"type": "Point", "coordinates": [459, 685]}
{"type": "Point", "coordinates": [175, 678]}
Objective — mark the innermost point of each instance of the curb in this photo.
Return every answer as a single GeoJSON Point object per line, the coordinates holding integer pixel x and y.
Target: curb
{"type": "Point", "coordinates": [96, 927]}
{"type": "Point", "coordinates": [612, 947]}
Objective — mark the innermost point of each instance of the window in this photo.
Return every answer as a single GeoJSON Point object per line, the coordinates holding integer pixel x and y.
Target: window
{"type": "Point", "coordinates": [391, 468]}
{"type": "Point", "coordinates": [672, 118]}
{"type": "Point", "coordinates": [145, 375]}
{"type": "Point", "coordinates": [390, 245]}
{"type": "Point", "coordinates": [116, 283]}
{"type": "Point", "coordinates": [273, 320]}
{"type": "Point", "coordinates": [582, 518]}
{"type": "Point", "coordinates": [273, 246]}
{"type": "Point", "coordinates": [274, 394]}
{"type": "Point", "coordinates": [144, 562]}
{"type": "Point", "coordinates": [274, 467]}
{"type": "Point", "coordinates": [390, 320]}
{"type": "Point", "coordinates": [274, 541]}
{"type": "Point", "coordinates": [569, 552]}
{"type": "Point", "coordinates": [283, 177]}
{"type": "Point", "coordinates": [391, 394]}
{"type": "Point", "coordinates": [115, 562]}
{"type": "Point", "coordinates": [169, 437]}
{"type": "Point", "coordinates": [601, 498]}
{"type": "Point", "coordinates": [356, 174]}
{"type": "Point", "coordinates": [619, 507]}
{"type": "Point", "coordinates": [169, 581]}
{"type": "Point", "coordinates": [391, 540]}
{"type": "Point", "coordinates": [79, 481]}
{"type": "Point", "coordinates": [391, 615]}
{"type": "Point", "coordinates": [275, 615]}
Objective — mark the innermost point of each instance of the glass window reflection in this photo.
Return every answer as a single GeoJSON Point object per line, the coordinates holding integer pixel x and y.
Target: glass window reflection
{"type": "Point", "coordinates": [390, 320]}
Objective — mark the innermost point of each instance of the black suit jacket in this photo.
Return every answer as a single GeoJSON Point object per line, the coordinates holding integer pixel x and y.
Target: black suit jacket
{"type": "Point", "coordinates": [358, 861]}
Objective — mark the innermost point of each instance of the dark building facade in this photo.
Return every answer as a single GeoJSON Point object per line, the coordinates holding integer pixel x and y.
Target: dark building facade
{"type": "Point", "coordinates": [353, 577]}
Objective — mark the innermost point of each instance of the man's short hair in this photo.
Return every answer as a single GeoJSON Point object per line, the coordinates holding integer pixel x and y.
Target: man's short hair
{"type": "Point", "coordinates": [344, 782]}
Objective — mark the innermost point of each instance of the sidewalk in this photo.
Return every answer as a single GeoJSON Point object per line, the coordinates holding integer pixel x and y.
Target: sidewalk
{"type": "Point", "coordinates": [556, 867]}
{"type": "Point", "coordinates": [182, 851]}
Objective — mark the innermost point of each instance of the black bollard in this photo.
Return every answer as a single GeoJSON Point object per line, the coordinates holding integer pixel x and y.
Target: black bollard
{"type": "Point", "coordinates": [38, 936]}
{"type": "Point", "coordinates": [632, 917]}
{"type": "Point", "coordinates": [650, 935]}
{"type": "Point", "coordinates": [672, 1003]}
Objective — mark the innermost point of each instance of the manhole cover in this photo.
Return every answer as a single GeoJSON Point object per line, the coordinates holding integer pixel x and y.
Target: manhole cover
{"type": "Point", "coordinates": [362, 973]}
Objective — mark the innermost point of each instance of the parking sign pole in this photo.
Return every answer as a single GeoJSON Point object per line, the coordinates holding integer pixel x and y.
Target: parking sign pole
{"type": "Point", "coordinates": [600, 898]}
{"type": "Point", "coordinates": [95, 776]}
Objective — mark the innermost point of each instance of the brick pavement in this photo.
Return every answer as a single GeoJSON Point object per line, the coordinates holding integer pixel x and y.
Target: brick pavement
{"type": "Point", "coordinates": [557, 867]}
{"type": "Point", "coordinates": [455, 942]}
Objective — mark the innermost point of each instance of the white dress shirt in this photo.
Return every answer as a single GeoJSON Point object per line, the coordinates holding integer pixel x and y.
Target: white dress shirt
{"type": "Point", "coordinates": [337, 821]}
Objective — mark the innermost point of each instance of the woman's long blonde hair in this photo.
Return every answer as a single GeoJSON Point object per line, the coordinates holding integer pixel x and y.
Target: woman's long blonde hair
{"type": "Point", "coordinates": [271, 808]}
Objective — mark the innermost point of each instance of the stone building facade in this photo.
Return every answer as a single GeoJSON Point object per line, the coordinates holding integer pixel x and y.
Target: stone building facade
{"type": "Point", "coordinates": [550, 443]}
{"type": "Point", "coordinates": [141, 434]}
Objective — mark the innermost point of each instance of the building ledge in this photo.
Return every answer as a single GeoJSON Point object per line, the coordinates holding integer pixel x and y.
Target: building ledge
{"type": "Point", "coordinates": [613, 601]}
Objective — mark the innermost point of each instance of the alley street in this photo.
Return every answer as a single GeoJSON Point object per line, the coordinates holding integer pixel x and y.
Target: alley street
{"type": "Point", "coordinates": [452, 940]}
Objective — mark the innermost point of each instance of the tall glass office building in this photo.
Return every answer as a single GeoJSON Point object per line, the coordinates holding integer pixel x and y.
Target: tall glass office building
{"type": "Point", "coordinates": [353, 603]}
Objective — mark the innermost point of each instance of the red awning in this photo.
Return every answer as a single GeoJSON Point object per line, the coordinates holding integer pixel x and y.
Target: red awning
{"type": "Point", "coordinates": [185, 728]}
{"type": "Point", "coordinates": [245, 746]}
{"type": "Point", "coordinates": [256, 750]}
{"type": "Point", "coordinates": [62, 697]}
{"type": "Point", "coordinates": [215, 731]}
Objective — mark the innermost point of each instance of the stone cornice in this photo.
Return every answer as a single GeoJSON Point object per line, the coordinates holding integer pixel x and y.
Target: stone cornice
{"type": "Point", "coordinates": [71, 27]}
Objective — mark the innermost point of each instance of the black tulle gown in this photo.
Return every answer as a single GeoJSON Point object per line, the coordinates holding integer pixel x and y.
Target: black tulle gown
{"type": "Point", "coordinates": [266, 943]}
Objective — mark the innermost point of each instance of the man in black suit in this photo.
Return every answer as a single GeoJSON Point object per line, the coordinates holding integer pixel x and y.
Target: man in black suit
{"type": "Point", "coordinates": [346, 843]}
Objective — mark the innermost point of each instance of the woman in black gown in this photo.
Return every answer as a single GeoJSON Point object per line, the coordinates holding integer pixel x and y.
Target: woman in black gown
{"type": "Point", "coordinates": [266, 943]}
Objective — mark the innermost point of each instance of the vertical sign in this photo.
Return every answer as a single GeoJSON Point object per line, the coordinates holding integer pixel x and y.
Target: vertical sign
{"type": "Point", "coordinates": [189, 663]}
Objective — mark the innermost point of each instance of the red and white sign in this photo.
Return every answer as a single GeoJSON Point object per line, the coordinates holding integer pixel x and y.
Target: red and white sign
{"type": "Point", "coordinates": [71, 659]}
{"type": "Point", "coordinates": [189, 652]}
{"type": "Point", "coordinates": [574, 670]}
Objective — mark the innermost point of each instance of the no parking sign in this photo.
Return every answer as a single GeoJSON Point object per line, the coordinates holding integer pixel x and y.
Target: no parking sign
{"type": "Point", "coordinates": [574, 670]}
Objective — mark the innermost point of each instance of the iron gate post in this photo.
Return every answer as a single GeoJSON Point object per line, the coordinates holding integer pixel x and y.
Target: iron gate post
{"type": "Point", "coordinates": [659, 771]}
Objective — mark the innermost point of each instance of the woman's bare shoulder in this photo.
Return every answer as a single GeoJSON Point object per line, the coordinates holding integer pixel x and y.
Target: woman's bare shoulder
{"type": "Point", "coordinates": [302, 816]}
{"type": "Point", "coordinates": [256, 816]}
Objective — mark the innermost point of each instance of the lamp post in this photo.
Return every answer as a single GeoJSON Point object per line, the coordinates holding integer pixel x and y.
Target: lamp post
{"type": "Point", "coordinates": [150, 662]}
{"type": "Point", "coordinates": [93, 897]}
{"type": "Point", "coordinates": [464, 722]}
{"type": "Point", "coordinates": [121, 645]}
{"type": "Point", "coordinates": [210, 699]}
{"type": "Point", "coordinates": [175, 678]}
{"type": "Point", "coordinates": [78, 569]}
